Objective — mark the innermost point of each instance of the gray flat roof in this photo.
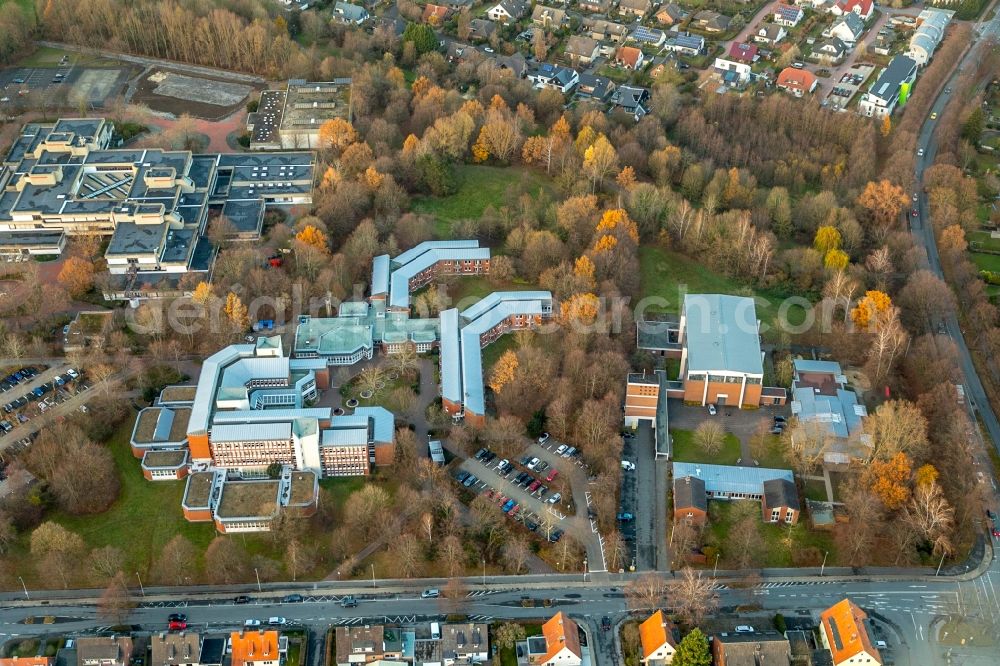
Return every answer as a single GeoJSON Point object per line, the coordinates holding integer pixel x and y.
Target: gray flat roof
{"type": "Point", "coordinates": [130, 238]}
{"type": "Point", "coordinates": [721, 334]}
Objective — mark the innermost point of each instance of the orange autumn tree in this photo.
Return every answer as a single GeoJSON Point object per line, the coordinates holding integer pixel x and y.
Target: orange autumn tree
{"type": "Point", "coordinates": [888, 480]}
{"type": "Point", "coordinates": [312, 236]}
{"type": "Point", "coordinates": [869, 308]}
{"type": "Point", "coordinates": [77, 276]}
{"type": "Point", "coordinates": [617, 218]}
{"type": "Point", "coordinates": [202, 293]}
{"type": "Point", "coordinates": [236, 312]}
{"type": "Point", "coordinates": [336, 134]}
{"type": "Point", "coordinates": [580, 309]}
{"type": "Point", "coordinates": [584, 269]}
{"type": "Point", "coordinates": [883, 201]}
{"type": "Point", "coordinates": [503, 370]}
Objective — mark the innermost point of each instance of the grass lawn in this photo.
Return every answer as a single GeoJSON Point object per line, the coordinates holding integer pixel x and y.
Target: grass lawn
{"type": "Point", "coordinates": [685, 449]}
{"type": "Point", "coordinates": [986, 262]}
{"type": "Point", "coordinates": [507, 656]}
{"type": "Point", "coordinates": [774, 454]}
{"type": "Point", "coordinates": [780, 541]}
{"type": "Point", "coordinates": [45, 56]}
{"type": "Point", "coordinates": [466, 291]}
{"type": "Point", "coordinates": [982, 239]}
{"type": "Point", "coordinates": [479, 187]}
{"type": "Point", "coordinates": [815, 490]}
{"type": "Point", "coordinates": [669, 275]}
{"type": "Point", "coordinates": [959, 631]}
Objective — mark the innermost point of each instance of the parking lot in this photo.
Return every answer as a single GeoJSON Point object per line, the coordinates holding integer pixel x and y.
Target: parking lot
{"type": "Point", "coordinates": [61, 85]}
{"type": "Point", "coordinates": [27, 393]}
{"type": "Point", "coordinates": [847, 86]}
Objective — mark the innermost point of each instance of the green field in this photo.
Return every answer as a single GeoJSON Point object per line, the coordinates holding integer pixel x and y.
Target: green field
{"type": "Point", "coordinates": [668, 276]}
{"type": "Point", "coordinates": [983, 240]}
{"type": "Point", "coordinates": [986, 262]}
{"type": "Point", "coordinates": [779, 541]}
{"type": "Point", "coordinates": [685, 449]}
{"type": "Point", "coordinates": [815, 490]}
{"type": "Point", "coordinates": [479, 187]}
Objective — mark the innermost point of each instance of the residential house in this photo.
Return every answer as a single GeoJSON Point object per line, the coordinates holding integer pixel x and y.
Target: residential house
{"type": "Point", "coordinates": [549, 17]}
{"type": "Point", "coordinates": [931, 25]}
{"type": "Point", "coordinates": [515, 64]}
{"type": "Point", "coordinates": [595, 6]}
{"type": "Point", "coordinates": [798, 82]}
{"type": "Point", "coordinates": [632, 100]}
{"type": "Point", "coordinates": [175, 649]}
{"type": "Point", "coordinates": [780, 503]}
{"type": "Point", "coordinates": [465, 643]}
{"type": "Point", "coordinates": [257, 648]}
{"type": "Point", "coordinates": [458, 52]}
{"type": "Point", "coordinates": [435, 15]}
{"type": "Point", "coordinates": [751, 649]}
{"type": "Point", "coordinates": [561, 643]}
{"type": "Point", "coordinates": [863, 9]}
{"type": "Point", "coordinates": [604, 30]}
{"type": "Point", "coordinates": [636, 8]}
{"type": "Point", "coordinates": [629, 57]}
{"type": "Point", "coordinates": [581, 50]}
{"type": "Point", "coordinates": [104, 651]}
{"type": "Point", "coordinates": [670, 14]}
{"type": "Point", "coordinates": [350, 14]}
{"type": "Point", "coordinates": [690, 500]}
{"type": "Point", "coordinates": [658, 637]}
{"type": "Point", "coordinates": [481, 29]}
{"type": "Point", "coordinates": [890, 89]}
{"type": "Point", "coordinates": [508, 11]}
{"type": "Point", "coordinates": [742, 52]}
{"type": "Point", "coordinates": [710, 21]}
{"type": "Point", "coordinates": [554, 77]}
{"type": "Point", "coordinates": [769, 33]}
{"type": "Point", "coordinates": [686, 44]}
{"type": "Point", "coordinates": [788, 15]}
{"type": "Point", "coordinates": [367, 644]}
{"type": "Point", "coordinates": [883, 41]}
{"type": "Point", "coordinates": [820, 396]}
{"type": "Point", "coordinates": [652, 37]}
{"type": "Point", "coordinates": [832, 49]}
{"type": "Point", "coordinates": [845, 631]}
{"type": "Point", "coordinates": [597, 88]}
{"type": "Point", "coordinates": [848, 28]}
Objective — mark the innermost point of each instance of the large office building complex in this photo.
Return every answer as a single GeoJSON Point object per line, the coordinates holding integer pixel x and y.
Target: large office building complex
{"type": "Point", "coordinates": [66, 179]}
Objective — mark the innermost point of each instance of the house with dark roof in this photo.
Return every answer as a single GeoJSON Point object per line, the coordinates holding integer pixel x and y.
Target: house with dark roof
{"type": "Point", "coordinates": [481, 29]}
{"type": "Point", "coordinates": [554, 77]}
{"type": "Point", "coordinates": [508, 11]}
{"type": "Point", "coordinates": [350, 14]}
{"type": "Point", "coordinates": [690, 500]}
{"type": "Point", "coordinates": [515, 64]}
{"type": "Point", "coordinates": [787, 15]}
{"type": "Point", "coordinates": [710, 21]}
{"type": "Point", "coordinates": [742, 52]}
{"type": "Point", "coordinates": [757, 648]}
{"type": "Point", "coordinates": [632, 100]}
{"type": "Point", "coordinates": [882, 98]}
{"type": "Point", "coordinates": [549, 17]}
{"type": "Point", "coordinates": [685, 43]}
{"type": "Point", "coordinates": [595, 6]}
{"type": "Point", "coordinates": [670, 14]}
{"type": "Point", "coordinates": [832, 48]}
{"type": "Point", "coordinates": [597, 88]}
{"type": "Point", "coordinates": [848, 28]}
{"type": "Point", "coordinates": [781, 502]}
{"type": "Point", "coordinates": [634, 8]}
{"type": "Point", "coordinates": [604, 30]}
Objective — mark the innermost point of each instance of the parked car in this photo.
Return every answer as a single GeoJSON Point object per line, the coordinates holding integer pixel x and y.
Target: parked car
{"type": "Point", "coordinates": [513, 510]}
{"type": "Point", "coordinates": [605, 623]}
{"type": "Point", "coordinates": [711, 409]}
{"type": "Point", "coordinates": [277, 621]}
{"type": "Point", "coordinates": [471, 480]}
{"type": "Point", "coordinates": [561, 449]}
{"type": "Point", "coordinates": [534, 486]}
{"type": "Point", "coordinates": [533, 463]}
{"type": "Point", "coordinates": [480, 454]}
{"type": "Point", "coordinates": [508, 506]}
{"type": "Point", "coordinates": [778, 418]}
{"type": "Point", "coordinates": [252, 623]}
{"type": "Point", "coordinates": [430, 593]}
{"type": "Point", "coordinates": [462, 476]}
{"type": "Point", "coordinates": [569, 453]}
{"type": "Point", "coordinates": [544, 438]}
{"type": "Point", "coordinates": [625, 517]}
{"type": "Point", "coordinates": [241, 599]}
{"type": "Point", "coordinates": [920, 152]}
{"type": "Point", "coordinates": [744, 629]}
{"type": "Point", "coordinates": [503, 463]}
{"type": "Point", "coordinates": [555, 536]}
{"type": "Point", "coordinates": [552, 475]}
{"type": "Point", "coordinates": [293, 599]}
{"type": "Point", "coordinates": [555, 498]}
{"type": "Point", "coordinates": [73, 373]}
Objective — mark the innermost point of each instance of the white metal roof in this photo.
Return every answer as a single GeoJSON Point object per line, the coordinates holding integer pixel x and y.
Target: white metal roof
{"type": "Point", "coordinates": [721, 334]}
{"type": "Point", "coordinates": [252, 432]}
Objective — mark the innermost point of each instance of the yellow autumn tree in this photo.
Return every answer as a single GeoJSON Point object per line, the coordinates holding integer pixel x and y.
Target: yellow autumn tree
{"type": "Point", "coordinates": [925, 476]}
{"type": "Point", "coordinates": [605, 243]}
{"type": "Point", "coordinates": [626, 178]}
{"type": "Point", "coordinates": [202, 293]}
{"type": "Point", "coordinates": [498, 103]}
{"type": "Point", "coordinates": [886, 125]}
{"type": "Point", "coordinates": [336, 134]}
{"type": "Point", "coordinates": [421, 86]}
{"type": "Point", "coordinates": [503, 370]}
{"type": "Point", "coordinates": [410, 145]}
{"type": "Point", "coordinates": [310, 235]}
{"type": "Point", "coordinates": [585, 138]}
{"type": "Point", "coordinates": [560, 129]}
{"type": "Point", "coordinates": [236, 312]}
{"type": "Point", "coordinates": [873, 304]}
{"type": "Point", "coordinates": [836, 259]}
{"type": "Point", "coordinates": [617, 218]}
{"type": "Point", "coordinates": [480, 149]}
{"type": "Point", "coordinates": [827, 238]}
{"type": "Point", "coordinates": [580, 309]}
{"type": "Point", "coordinates": [599, 160]}
{"type": "Point", "coordinates": [584, 269]}
{"type": "Point", "coordinates": [888, 480]}
{"type": "Point", "coordinates": [331, 178]}
{"type": "Point", "coordinates": [373, 179]}
{"type": "Point", "coordinates": [474, 108]}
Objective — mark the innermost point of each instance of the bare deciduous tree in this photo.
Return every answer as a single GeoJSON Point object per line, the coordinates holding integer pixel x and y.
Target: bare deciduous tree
{"type": "Point", "coordinates": [693, 596]}
{"type": "Point", "coordinates": [709, 436]}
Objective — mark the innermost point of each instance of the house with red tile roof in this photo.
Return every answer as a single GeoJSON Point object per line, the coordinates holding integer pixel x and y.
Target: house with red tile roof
{"type": "Point", "coordinates": [562, 643]}
{"type": "Point", "coordinates": [658, 637]}
{"type": "Point", "coordinates": [863, 8]}
{"type": "Point", "coordinates": [742, 52]}
{"type": "Point", "coordinates": [844, 632]}
{"type": "Point", "coordinates": [798, 82]}
{"type": "Point", "coordinates": [629, 56]}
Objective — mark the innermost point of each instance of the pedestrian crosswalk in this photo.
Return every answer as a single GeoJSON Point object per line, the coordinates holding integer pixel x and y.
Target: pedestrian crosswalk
{"type": "Point", "coordinates": [480, 593]}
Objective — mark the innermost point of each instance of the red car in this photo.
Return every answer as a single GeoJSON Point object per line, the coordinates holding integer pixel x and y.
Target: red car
{"type": "Point", "coordinates": [514, 510]}
{"type": "Point", "coordinates": [533, 486]}
{"type": "Point", "coordinates": [552, 475]}
{"type": "Point", "coordinates": [914, 212]}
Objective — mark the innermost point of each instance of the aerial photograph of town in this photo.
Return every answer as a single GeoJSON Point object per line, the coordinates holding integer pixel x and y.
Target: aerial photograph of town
{"type": "Point", "coordinates": [499, 332]}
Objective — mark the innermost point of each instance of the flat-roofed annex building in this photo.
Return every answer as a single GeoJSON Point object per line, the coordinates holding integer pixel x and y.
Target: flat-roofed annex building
{"type": "Point", "coordinates": [291, 118]}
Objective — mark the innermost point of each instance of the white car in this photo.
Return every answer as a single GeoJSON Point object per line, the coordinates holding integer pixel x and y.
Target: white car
{"type": "Point", "coordinates": [561, 450]}
{"type": "Point", "coordinates": [252, 623]}
{"type": "Point", "coordinates": [711, 409]}
{"type": "Point", "coordinates": [920, 152]}
{"type": "Point", "coordinates": [533, 463]}
{"type": "Point", "coordinates": [744, 629]}
{"type": "Point", "coordinates": [276, 621]}
{"type": "Point", "coordinates": [555, 498]}
{"type": "Point", "coordinates": [544, 438]}
{"type": "Point", "coordinates": [73, 373]}
{"type": "Point", "coordinates": [628, 466]}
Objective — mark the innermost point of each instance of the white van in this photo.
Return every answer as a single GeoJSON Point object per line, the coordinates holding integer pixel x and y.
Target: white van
{"type": "Point", "coordinates": [435, 631]}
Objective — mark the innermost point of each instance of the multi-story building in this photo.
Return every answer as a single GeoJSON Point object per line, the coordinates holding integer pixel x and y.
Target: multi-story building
{"type": "Point", "coordinates": [931, 25]}
{"type": "Point", "coordinates": [891, 88]}
{"type": "Point", "coordinates": [463, 335]}
{"type": "Point", "coordinates": [291, 118]}
{"type": "Point", "coordinates": [559, 644]}
{"type": "Point", "coordinates": [154, 204]}
{"type": "Point", "coordinates": [367, 644]}
{"type": "Point", "coordinates": [845, 632]}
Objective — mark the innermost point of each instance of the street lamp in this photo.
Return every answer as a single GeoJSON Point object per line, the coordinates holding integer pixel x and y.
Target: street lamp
{"type": "Point", "coordinates": [484, 571]}
{"type": "Point", "coordinates": [26, 595]}
{"type": "Point", "coordinates": [258, 579]}
{"type": "Point", "coordinates": [373, 574]}
{"type": "Point", "coordinates": [939, 565]}
{"type": "Point", "coordinates": [584, 569]}
{"type": "Point", "coordinates": [715, 571]}
{"type": "Point", "coordinates": [823, 568]}
{"type": "Point", "coordinates": [141, 588]}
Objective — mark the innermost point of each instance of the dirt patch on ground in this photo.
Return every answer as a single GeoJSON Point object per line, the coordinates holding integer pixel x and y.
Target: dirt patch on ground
{"type": "Point", "coordinates": [202, 97]}
{"type": "Point", "coordinates": [95, 86]}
